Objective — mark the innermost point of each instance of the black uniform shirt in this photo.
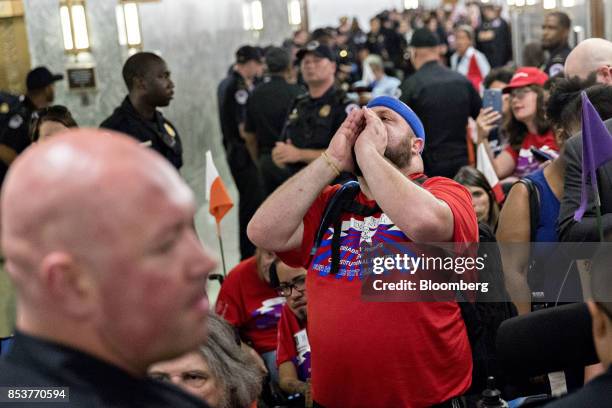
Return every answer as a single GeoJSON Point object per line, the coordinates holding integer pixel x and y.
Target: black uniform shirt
{"type": "Point", "coordinates": [494, 40]}
{"type": "Point", "coordinates": [233, 94]}
{"type": "Point", "coordinates": [15, 116]}
{"type": "Point", "coordinates": [556, 61]}
{"type": "Point", "coordinates": [267, 109]}
{"type": "Point", "coordinates": [92, 383]}
{"type": "Point", "coordinates": [159, 134]}
{"type": "Point", "coordinates": [312, 122]}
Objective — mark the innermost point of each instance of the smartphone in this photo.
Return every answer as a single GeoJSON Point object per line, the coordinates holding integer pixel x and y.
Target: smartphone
{"type": "Point", "coordinates": [541, 155]}
{"type": "Point", "coordinates": [492, 98]}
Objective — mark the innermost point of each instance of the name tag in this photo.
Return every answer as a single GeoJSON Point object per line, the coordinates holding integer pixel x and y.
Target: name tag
{"type": "Point", "coordinates": [301, 342]}
{"type": "Point", "coordinates": [558, 385]}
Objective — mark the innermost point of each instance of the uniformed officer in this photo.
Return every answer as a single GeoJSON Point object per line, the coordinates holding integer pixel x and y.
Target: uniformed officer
{"type": "Point", "coordinates": [147, 78]}
{"type": "Point", "coordinates": [555, 34]}
{"type": "Point", "coordinates": [266, 112]}
{"type": "Point", "coordinates": [493, 37]}
{"type": "Point", "coordinates": [233, 93]}
{"type": "Point", "coordinates": [16, 113]}
{"type": "Point", "coordinates": [315, 115]}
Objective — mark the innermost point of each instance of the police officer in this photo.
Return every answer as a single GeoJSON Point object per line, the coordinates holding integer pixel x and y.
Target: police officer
{"type": "Point", "coordinates": [266, 112]}
{"type": "Point", "coordinates": [233, 93]}
{"type": "Point", "coordinates": [147, 78]}
{"type": "Point", "coordinates": [315, 115]}
{"type": "Point", "coordinates": [16, 113]}
{"type": "Point", "coordinates": [555, 34]}
{"type": "Point", "coordinates": [493, 37]}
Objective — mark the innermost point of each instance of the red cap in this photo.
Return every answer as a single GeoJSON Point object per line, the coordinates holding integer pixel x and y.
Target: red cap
{"type": "Point", "coordinates": [526, 76]}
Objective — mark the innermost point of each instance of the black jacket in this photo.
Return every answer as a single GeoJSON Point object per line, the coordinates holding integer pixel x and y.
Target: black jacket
{"type": "Point", "coordinates": [586, 230]}
{"type": "Point", "coordinates": [91, 383]}
{"type": "Point", "coordinates": [15, 117]}
{"type": "Point", "coordinates": [159, 134]}
{"type": "Point", "coordinates": [444, 100]}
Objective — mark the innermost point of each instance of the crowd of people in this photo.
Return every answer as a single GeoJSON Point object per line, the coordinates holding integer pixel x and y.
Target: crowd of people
{"type": "Point", "coordinates": [418, 130]}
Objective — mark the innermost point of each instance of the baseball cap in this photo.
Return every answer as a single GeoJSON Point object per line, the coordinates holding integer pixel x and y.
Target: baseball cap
{"type": "Point", "coordinates": [277, 59]}
{"type": "Point", "coordinates": [40, 77]}
{"type": "Point", "coordinates": [423, 38]}
{"type": "Point", "coordinates": [526, 76]}
{"type": "Point", "coordinates": [318, 49]}
{"type": "Point", "coordinates": [248, 53]}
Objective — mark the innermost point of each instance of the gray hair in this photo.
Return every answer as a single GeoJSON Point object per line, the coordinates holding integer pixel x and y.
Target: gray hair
{"type": "Point", "coordinates": [466, 29]}
{"type": "Point", "coordinates": [374, 61]}
{"type": "Point", "coordinates": [233, 369]}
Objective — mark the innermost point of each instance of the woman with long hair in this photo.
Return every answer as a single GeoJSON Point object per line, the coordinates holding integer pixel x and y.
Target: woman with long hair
{"type": "Point", "coordinates": [531, 140]}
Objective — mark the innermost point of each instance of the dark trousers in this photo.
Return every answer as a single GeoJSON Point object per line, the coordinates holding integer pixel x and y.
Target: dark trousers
{"type": "Point", "coordinates": [271, 175]}
{"type": "Point", "coordinates": [250, 192]}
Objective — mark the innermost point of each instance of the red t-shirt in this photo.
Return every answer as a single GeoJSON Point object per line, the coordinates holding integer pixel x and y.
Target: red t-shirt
{"type": "Point", "coordinates": [293, 343]}
{"type": "Point", "coordinates": [525, 162]}
{"type": "Point", "coordinates": [251, 305]}
{"type": "Point", "coordinates": [381, 354]}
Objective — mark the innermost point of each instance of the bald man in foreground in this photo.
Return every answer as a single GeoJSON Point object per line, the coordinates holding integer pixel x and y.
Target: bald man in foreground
{"type": "Point", "coordinates": [591, 57]}
{"type": "Point", "coordinates": [109, 273]}
{"type": "Point", "coordinates": [591, 60]}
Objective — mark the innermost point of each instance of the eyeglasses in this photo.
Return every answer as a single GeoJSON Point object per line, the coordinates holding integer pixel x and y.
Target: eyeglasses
{"type": "Point", "coordinates": [298, 283]}
{"type": "Point", "coordinates": [519, 93]}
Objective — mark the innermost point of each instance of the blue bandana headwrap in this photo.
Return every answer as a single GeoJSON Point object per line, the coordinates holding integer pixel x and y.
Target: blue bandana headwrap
{"type": "Point", "coordinates": [403, 110]}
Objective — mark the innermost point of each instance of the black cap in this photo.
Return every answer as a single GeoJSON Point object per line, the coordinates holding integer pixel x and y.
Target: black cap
{"type": "Point", "coordinates": [318, 49]}
{"type": "Point", "coordinates": [322, 34]}
{"type": "Point", "coordinates": [277, 59]}
{"type": "Point", "coordinates": [423, 38]}
{"type": "Point", "coordinates": [40, 77]}
{"type": "Point", "coordinates": [248, 53]}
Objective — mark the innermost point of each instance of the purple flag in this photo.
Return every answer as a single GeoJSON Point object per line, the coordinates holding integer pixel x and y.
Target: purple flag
{"type": "Point", "coordinates": [596, 150]}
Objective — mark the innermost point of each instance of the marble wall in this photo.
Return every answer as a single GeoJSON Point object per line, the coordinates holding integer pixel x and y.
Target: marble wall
{"type": "Point", "coordinates": [198, 39]}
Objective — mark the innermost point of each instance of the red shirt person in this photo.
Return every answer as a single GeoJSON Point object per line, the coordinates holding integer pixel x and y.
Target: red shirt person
{"type": "Point", "coordinates": [374, 354]}
{"type": "Point", "coordinates": [293, 351]}
{"type": "Point", "coordinates": [249, 303]}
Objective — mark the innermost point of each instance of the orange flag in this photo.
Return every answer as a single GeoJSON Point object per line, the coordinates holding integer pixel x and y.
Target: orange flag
{"type": "Point", "coordinates": [216, 193]}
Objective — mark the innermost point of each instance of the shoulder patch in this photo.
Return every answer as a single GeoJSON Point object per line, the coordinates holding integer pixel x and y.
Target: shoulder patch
{"type": "Point", "coordinates": [555, 69]}
{"type": "Point", "coordinates": [15, 122]}
{"type": "Point", "coordinates": [241, 96]}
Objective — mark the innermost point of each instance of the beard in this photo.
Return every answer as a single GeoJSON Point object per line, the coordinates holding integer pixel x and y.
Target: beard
{"type": "Point", "coordinates": [399, 155]}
